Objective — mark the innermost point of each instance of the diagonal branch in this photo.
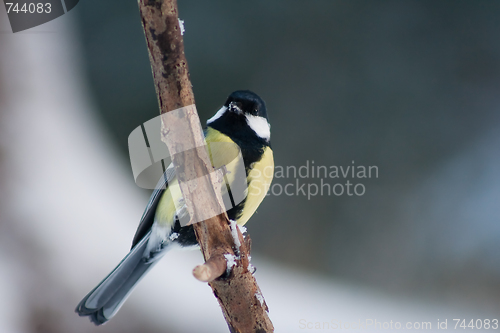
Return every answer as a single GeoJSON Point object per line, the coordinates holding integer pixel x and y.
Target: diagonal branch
{"type": "Point", "coordinates": [238, 294]}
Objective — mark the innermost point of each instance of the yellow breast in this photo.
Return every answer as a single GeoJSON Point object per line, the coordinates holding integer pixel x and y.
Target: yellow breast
{"type": "Point", "coordinates": [259, 180]}
{"type": "Point", "coordinates": [223, 151]}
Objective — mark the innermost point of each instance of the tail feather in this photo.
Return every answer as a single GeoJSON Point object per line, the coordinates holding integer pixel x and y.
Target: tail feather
{"type": "Point", "coordinates": [102, 303]}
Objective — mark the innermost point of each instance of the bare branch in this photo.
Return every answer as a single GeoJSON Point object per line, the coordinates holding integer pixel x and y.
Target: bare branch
{"type": "Point", "coordinates": [238, 294]}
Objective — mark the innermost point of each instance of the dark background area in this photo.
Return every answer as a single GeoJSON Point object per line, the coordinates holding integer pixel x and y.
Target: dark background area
{"type": "Point", "coordinates": [408, 86]}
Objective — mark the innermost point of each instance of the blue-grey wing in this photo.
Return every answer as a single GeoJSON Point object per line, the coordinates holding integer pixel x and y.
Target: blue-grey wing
{"type": "Point", "coordinates": [149, 213]}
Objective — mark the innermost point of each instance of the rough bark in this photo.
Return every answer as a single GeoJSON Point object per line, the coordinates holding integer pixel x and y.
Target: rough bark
{"type": "Point", "coordinates": [238, 293]}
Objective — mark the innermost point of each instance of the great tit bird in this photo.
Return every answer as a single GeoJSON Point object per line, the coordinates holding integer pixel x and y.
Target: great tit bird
{"type": "Point", "coordinates": [242, 121]}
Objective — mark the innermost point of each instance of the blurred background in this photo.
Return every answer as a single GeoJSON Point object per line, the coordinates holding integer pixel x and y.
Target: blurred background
{"type": "Point", "coordinates": [411, 87]}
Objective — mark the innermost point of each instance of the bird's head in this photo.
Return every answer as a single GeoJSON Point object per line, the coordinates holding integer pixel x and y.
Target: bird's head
{"type": "Point", "coordinates": [244, 107]}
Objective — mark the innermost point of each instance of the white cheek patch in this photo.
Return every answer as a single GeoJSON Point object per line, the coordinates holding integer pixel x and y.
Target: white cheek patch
{"type": "Point", "coordinates": [260, 126]}
{"type": "Point", "coordinates": [217, 115]}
